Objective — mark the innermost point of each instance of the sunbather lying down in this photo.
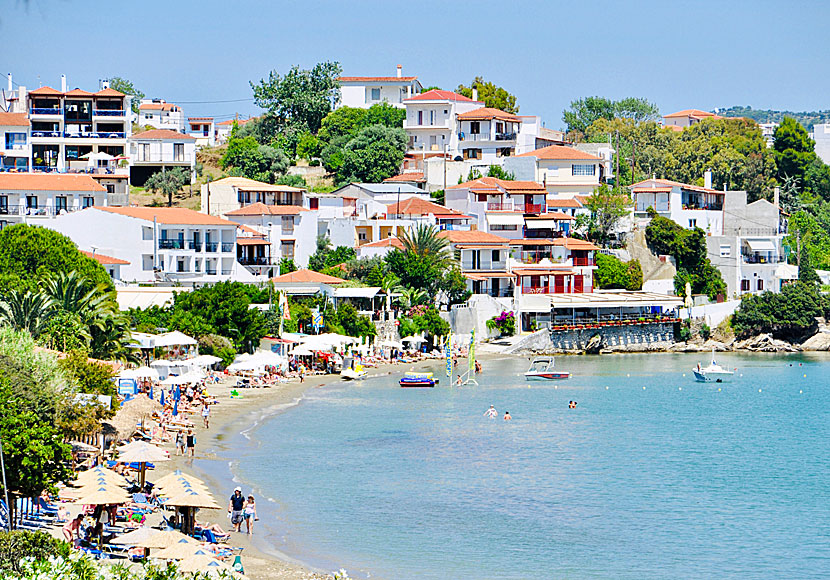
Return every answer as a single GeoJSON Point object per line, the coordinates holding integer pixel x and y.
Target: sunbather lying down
{"type": "Point", "coordinates": [215, 528]}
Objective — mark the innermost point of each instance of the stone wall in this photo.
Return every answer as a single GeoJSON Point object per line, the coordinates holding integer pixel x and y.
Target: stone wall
{"type": "Point", "coordinates": [632, 338]}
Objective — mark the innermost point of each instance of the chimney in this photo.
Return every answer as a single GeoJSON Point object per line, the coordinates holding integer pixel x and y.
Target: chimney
{"type": "Point", "coordinates": [400, 71]}
{"type": "Point", "coordinates": [63, 83]}
{"type": "Point", "coordinates": [11, 87]}
{"type": "Point", "coordinates": [104, 84]}
{"type": "Point", "coordinates": [707, 179]}
{"type": "Point", "coordinates": [475, 94]}
{"type": "Point", "coordinates": [776, 196]}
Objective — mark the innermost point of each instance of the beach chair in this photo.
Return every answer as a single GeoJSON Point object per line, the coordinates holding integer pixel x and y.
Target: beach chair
{"type": "Point", "coordinates": [213, 538]}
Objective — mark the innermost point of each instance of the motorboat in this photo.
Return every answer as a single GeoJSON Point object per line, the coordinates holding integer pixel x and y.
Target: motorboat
{"type": "Point", "coordinates": [542, 369]}
{"type": "Point", "coordinates": [413, 379]}
{"type": "Point", "coordinates": [352, 370]}
{"type": "Point", "coordinates": [714, 373]}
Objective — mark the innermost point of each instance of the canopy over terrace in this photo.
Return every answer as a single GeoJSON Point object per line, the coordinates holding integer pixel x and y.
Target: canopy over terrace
{"type": "Point", "coordinates": [611, 305]}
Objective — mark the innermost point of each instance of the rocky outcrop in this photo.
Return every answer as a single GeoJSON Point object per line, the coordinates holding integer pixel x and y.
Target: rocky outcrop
{"type": "Point", "coordinates": [538, 342]}
{"type": "Point", "coordinates": [653, 268]}
{"type": "Point", "coordinates": [765, 343]}
{"type": "Point", "coordinates": [594, 344]}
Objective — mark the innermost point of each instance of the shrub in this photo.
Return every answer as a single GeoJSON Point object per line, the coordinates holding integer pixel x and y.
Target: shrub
{"type": "Point", "coordinates": [705, 331]}
{"type": "Point", "coordinates": [504, 323]}
{"type": "Point", "coordinates": [16, 545]}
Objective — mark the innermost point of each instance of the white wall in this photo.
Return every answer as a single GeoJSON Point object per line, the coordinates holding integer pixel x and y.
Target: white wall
{"type": "Point", "coordinates": [713, 314]}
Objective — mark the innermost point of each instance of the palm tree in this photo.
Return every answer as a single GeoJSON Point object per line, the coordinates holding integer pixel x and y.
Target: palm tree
{"type": "Point", "coordinates": [388, 284]}
{"type": "Point", "coordinates": [423, 240]}
{"type": "Point", "coordinates": [410, 297]}
{"type": "Point", "coordinates": [29, 311]}
{"type": "Point", "coordinates": [75, 294]}
{"type": "Point", "coordinates": [111, 340]}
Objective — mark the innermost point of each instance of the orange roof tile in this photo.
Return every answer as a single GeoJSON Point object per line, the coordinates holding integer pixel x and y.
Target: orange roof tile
{"type": "Point", "coordinates": [559, 152]}
{"type": "Point", "coordinates": [418, 206]}
{"type": "Point", "coordinates": [260, 208]}
{"type": "Point", "coordinates": [77, 93]}
{"type": "Point", "coordinates": [376, 79]}
{"type": "Point", "coordinates": [439, 95]}
{"type": "Point", "coordinates": [412, 176]}
{"type": "Point", "coordinates": [162, 134]}
{"type": "Point", "coordinates": [109, 93]}
{"type": "Point", "coordinates": [471, 237]}
{"type": "Point", "coordinates": [158, 107]}
{"type": "Point", "coordinates": [305, 276]}
{"type": "Point", "coordinates": [574, 244]}
{"type": "Point", "coordinates": [252, 242]}
{"type": "Point", "coordinates": [551, 215]}
{"type": "Point", "coordinates": [14, 120]}
{"type": "Point", "coordinates": [239, 122]}
{"type": "Point", "coordinates": [564, 202]}
{"type": "Point", "coordinates": [391, 242]}
{"type": "Point", "coordinates": [496, 186]}
{"type": "Point", "coordinates": [49, 182]}
{"type": "Point", "coordinates": [690, 113]}
{"type": "Point", "coordinates": [106, 260]}
{"type": "Point", "coordinates": [486, 113]}
{"type": "Point", "coordinates": [46, 92]}
{"type": "Point", "coordinates": [168, 215]}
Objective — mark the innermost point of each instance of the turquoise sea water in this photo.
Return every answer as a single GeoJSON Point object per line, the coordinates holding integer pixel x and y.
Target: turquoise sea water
{"type": "Point", "coordinates": [677, 480]}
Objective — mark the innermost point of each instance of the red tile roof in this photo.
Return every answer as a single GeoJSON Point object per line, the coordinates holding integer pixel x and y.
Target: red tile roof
{"type": "Point", "coordinates": [418, 206]}
{"type": "Point", "coordinates": [77, 93]}
{"type": "Point", "coordinates": [162, 134]}
{"type": "Point", "coordinates": [239, 122]}
{"type": "Point", "coordinates": [559, 152]}
{"type": "Point", "coordinates": [497, 186]}
{"type": "Point", "coordinates": [472, 237]}
{"type": "Point", "coordinates": [487, 113]}
{"type": "Point", "coordinates": [260, 208]}
{"type": "Point", "coordinates": [567, 202]}
{"type": "Point", "coordinates": [46, 92]}
{"type": "Point", "coordinates": [49, 182]}
{"type": "Point", "coordinates": [249, 230]}
{"type": "Point", "coordinates": [391, 242]}
{"type": "Point", "coordinates": [168, 215]}
{"type": "Point", "coordinates": [158, 107]}
{"type": "Point", "coordinates": [304, 276]}
{"type": "Point", "coordinates": [376, 79]}
{"type": "Point", "coordinates": [574, 244]}
{"type": "Point", "coordinates": [106, 260]}
{"type": "Point", "coordinates": [439, 95]}
{"type": "Point", "coordinates": [412, 176]}
{"type": "Point", "coordinates": [690, 113]}
{"type": "Point", "coordinates": [109, 93]}
{"type": "Point", "coordinates": [14, 120]}
{"type": "Point", "coordinates": [252, 242]}
{"type": "Point", "coordinates": [646, 185]}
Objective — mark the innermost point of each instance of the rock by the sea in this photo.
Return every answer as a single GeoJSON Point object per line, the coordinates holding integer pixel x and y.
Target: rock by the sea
{"type": "Point", "coordinates": [765, 343]}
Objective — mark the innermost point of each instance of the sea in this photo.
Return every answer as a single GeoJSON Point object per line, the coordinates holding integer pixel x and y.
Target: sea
{"type": "Point", "coordinates": [651, 475]}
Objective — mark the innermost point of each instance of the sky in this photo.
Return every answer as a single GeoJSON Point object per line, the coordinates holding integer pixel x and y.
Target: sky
{"type": "Point", "coordinates": [202, 54]}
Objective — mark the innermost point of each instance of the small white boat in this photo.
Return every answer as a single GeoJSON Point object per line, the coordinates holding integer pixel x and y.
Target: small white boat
{"type": "Point", "coordinates": [714, 373]}
{"type": "Point", "coordinates": [542, 369]}
{"type": "Point", "coordinates": [351, 370]}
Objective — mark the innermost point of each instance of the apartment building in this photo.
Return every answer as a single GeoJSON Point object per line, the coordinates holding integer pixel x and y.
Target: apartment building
{"type": "Point", "coordinates": [431, 121]}
{"type": "Point", "coordinates": [487, 134]}
{"type": "Point", "coordinates": [363, 92]}
{"type": "Point", "coordinates": [688, 205]}
{"type": "Point", "coordinates": [37, 197]}
{"type": "Point", "coordinates": [562, 170]}
{"type": "Point", "coordinates": [160, 114]}
{"type": "Point", "coordinates": [230, 193]}
{"type": "Point", "coordinates": [160, 149]}
{"type": "Point", "coordinates": [483, 259]}
{"type": "Point", "coordinates": [202, 129]}
{"type": "Point", "coordinates": [72, 128]}
{"type": "Point", "coordinates": [15, 142]}
{"type": "Point", "coordinates": [160, 244]}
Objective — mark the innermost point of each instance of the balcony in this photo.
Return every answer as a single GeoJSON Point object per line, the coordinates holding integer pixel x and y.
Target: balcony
{"type": "Point", "coordinates": [474, 136]}
{"type": "Point", "coordinates": [211, 246]}
{"type": "Point", "coordinates": [96, 135]}
{"type": "Point", "coordinates": [583, 262]}
{"type": "Point", "coordinates": [107, 113]}
{"type": "Point", "coordinates": [255, 261]}
{"type": "Point", "coordinates": [162, 159]}
{"type": "Point", "coordinates": [499, 206]}
{"type": "Point", "coordinates": [210, 271]}
{"type": "Point", "coordinates": [531, 257]}
{"type": "Point", "coordinates": [171, 244]}
{"type": "Point", "coordinates": [46, 134]}
{"type": "Point", "coordinates": [534, 207]}
{"type": "Point", "coordinates": [228, 246]}
{"type": "Point", "coordinates": [469, 266]}
{"type": "Point", "coordinates": [752, 258]}
{"type": "Point", "coordinates": [194, 245]}
{"type": "Point", "coordinates": [505, 136]}
{"type": "Point", "coordinates": [15, 146]}
{"type": "Point", "coordinates": [45, 111]}
{"type": "Point", "coordinates": [10, 210]}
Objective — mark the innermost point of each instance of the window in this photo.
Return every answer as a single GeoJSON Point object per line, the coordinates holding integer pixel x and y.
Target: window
{"type": "Point", "coordinates": [504, 152]}
{"type": "Point", "coordinates": [90, 201]}
{"type": "Point", "coordinates": [178, 151]}
{"type": "Point", "coordinates": [432, 117]}
{"type": "Point", "coordinates": [481, 197]}
{"type": "Point", "coordinates": [375, 94]}
{"type": "Point", "coordinates": [495, 256]}
{"type": "Point", "coordinates": [110, 187]}
{"type": "Point", "coordinates": [584, 169]}
{"type": "Point", "coordinates": [692, 223]}
{"type": "Point", "coordinates": [744, 285]}
{"type": "Point", "coordinates": [420, 117]}
{"type": "Point", "coordinates": [504, 227]}
{"type": "Point", "coordinates": [60, 203]}
{"type": "Point", "coordinates": [180, 265]}
{"type": "Point", "coordinates": [725, 250]}
{"type": "Point", "coordinates": [15, 140]}
{"type": "Point", "coordinates": [314, 203]}
{"type": "Point", "coordinates": [144, 152]}
{"type": "Point", "coordinates": [287, 250]}
{"type": "Point", "coordinates": [472, 154]}
{"type": "Point", "coordinates": [475, 127]}
{"type": "Point", "coordinates": [146, 262]}
{"type": "Point", "coordinates": [4, 204]}
{"type": "Point", "coordinates": [760, 284]}
{"type": "Point", "coordinates": [31, 201]}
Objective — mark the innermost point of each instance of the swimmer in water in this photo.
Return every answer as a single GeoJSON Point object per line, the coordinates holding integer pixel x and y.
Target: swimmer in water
{"type": "Point", "coordinates": [572, 404]}
{"type": "Point", "coordinates": [491, 412]}
{"type": "Point", "coordinates": [507, 416]}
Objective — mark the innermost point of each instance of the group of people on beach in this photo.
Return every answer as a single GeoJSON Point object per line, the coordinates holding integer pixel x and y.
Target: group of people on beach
{"type": "Point", "coordinates": [240, 509]}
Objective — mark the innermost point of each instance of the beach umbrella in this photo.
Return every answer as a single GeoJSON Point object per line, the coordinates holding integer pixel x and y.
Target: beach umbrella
{"type": "Point", "coordinates": [145, 373]}
{"type": "Point", "coordinates": [162, 363]}
{"type": "Point", "coordinates": [193, 499]}
{"type": "Point", "coordinates": [142, 453]}
{"type": "Point", "coordinates": [161, 399]}
{"type": "Point", "coordinates": [79, 447]}
{"type": "Point", "coordinates": [181, 548]}
{"type": "Point", "coordinates": [177, 476]}
{"type": "Point", "coordinates": [177, 393]}
{"type": "Point", "coordinates": [96, 474]}
{"type": "Point", "coordinates": [302, 351]}
{"type": "Point", "coordinates": [140, 406]}
{"type": "Point", "coordinates": [203, 563]}
{"type": "Point", "coordinates": [176, 489]}
{"type": "Point", "coordinates": [137, 537]}
{"type": "Point", "coordinates": [176, 408]}
{"type": "Point", "coordinates": [104, 495]}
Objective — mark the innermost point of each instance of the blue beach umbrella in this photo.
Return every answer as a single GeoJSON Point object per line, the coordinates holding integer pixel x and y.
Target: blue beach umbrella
{"type": "Point", "coordinates": [151, 392]}
{"type": "Point", "coordinates": [175, 408]}
{"type": "Point", "coordinates": [162, 398]}
{"type": "Point", "coordinates": [178, 393]}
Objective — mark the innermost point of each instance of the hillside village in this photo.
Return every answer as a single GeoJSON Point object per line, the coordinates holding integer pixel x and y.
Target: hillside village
{"type": "Point", "coordinates": [396, 195]}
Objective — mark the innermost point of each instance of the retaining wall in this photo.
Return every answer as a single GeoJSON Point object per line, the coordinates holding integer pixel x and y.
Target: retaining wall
{"type": "Point", "coordinates": [641, 336]}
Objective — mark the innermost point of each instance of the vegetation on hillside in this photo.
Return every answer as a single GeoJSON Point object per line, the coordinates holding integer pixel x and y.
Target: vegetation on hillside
{"type": "Point", "coordinates": [491, 95]}
{"type": "Point", "coordinates": [806, 118]}
{"type": "Point", "coordinates": [613, 273]}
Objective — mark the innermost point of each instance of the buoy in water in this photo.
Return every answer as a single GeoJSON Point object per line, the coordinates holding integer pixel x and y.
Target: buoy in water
{"type": "Point", "coordinates": [606, 388]}
{"type": "Point", "coordinates": [759, 390]}
{"type": "Point", "coordinates": [800, 392]}
{"type": "Point", "coordinates": [719, 389]}
{"type": "Point", "coordinates": [644, 388]}
{"type": "Point", "coordinates": [679, 388]}
{"type": "Point", "coordinates": [805, 376]}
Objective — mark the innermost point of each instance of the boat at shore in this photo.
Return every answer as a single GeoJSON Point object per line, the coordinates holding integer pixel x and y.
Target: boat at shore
{"type": "Point", "coordinates": [413, 379]}
{"type": "Point", "coordinates": [542, 369]}
{"type": "Point", "coordinates": [352, 371]}
{"type": "Point", "coordinates": [714, 373]}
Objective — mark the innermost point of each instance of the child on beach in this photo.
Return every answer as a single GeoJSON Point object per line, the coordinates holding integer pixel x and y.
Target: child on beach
{"type": "Point", "coordinates": [249, 511]}
{"type": "Point", "coordinates": [206, 415]}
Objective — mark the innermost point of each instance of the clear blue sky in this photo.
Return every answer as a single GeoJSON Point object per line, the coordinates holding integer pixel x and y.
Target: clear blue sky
{"type": "Point", "coordinates": [677, 54]}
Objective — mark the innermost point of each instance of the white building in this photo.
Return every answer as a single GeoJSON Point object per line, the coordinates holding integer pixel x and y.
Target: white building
{"type": "Point", "coordinates": [225, 195]}
{"type": "Point", "coordinates": [431, 121]}
{"type": "Point", "coordinates": [687, 205]}
{"type": "Point", "coordinates": [486, 134]}
{"type": "Point", "coordinates": [821, 135]}
{"type": "Point", "coordinates": [15, 142]}
{"type": "Point", "coordinates": [534, 135]}
{"type": "Point", "coordinates": [768, 133]}
{"type": "Point", "coordinates": [160, 114]}
{"type": "Point", "coordinates": [224, 128]}
{"type": "Point", "coordinates": [382, 193]}
{"type": "Point", "coordinates": [562, 170]}
{"type": "Point", "coordinates": [202, 129]}
{"type": "Point", "coordinates": [160, 149]}
{"type": "Point", "coordinates": [363, 92]}
{"type": "Point", "coordinates": [111, 264]}
{"type": "Point", "coordinates": [38, 197]}
{"type": "Point", "coordinates": [379, 248]}
{"type": "Point", "coordinates": [67, 126]}
{"type": "Point", "coordinates": [161, 244]}
{"type": "Point", "coordinates": [686, 118]}
{"type": "Point", "coordinates": [288, 231]}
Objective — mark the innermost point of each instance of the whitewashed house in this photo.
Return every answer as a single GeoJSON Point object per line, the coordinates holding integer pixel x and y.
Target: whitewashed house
{"type": "Point", "coordinates": [363, 92]}
{"type": "Point", "coordinates": [38, 197]}
{"type": "Point", "coordinates": [160, 150]}
{"type": "Point", "coordinates": [110, 263]}
{"type": "Point", "coordinates": [431, 122]}
{"type": "Point", "coordinates": [486, 134]}
{"type": "Point", "coordinates": [224, 195]}
{"type": "Point", "coordinates": [688, 205]}
{"type": "Point", "coordinates": [161, 244]}
{"type": "Point", "coordinates": [15, 142]}
{"type": "Point", "coordinates": [203, 130]}
{"type": "Point", "coordinates": [562, 170]}
{"type": "Point", "coordinates": [686, 118]}
{"type": "Point", "coordinates": [160, 114]}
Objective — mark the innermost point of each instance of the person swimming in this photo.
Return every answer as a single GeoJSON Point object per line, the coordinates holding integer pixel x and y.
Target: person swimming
{"type": "Point", "coordinates": [491, 412]}
{"type": "Point", "coordinates": [572, 404]}
{"type": "Point", "coordinates": [507, 416]}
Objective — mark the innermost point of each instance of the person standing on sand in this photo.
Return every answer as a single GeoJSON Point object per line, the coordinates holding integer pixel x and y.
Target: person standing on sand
{"type": "Point", "coordinates": [249, 511]}
{"type": "Point", "coordinates": [206, 415]}
{"type": "Point", "coordinates": [180, 443]}
{"type": "Point", "coordinates": [191, 442]}
{"type": "Point", "coordinates": [235, 507]}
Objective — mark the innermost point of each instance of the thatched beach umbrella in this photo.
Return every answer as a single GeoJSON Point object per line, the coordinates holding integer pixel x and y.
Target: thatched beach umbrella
{"type": "Point", "coordinates": [96, 475]}
{"type": "Point", "coordinates": [203, 563]}
{"type": "Point", "coordinates": [176, 476]}
{"type": "Point", "coordinates": [181, 549]}
{"type": "Point", "coordinates": [142, 453]}
{"type": "Point", "coordinates": [137, 537]}
{"type": "Point", "coordinates": [163, 539]}
{"type": "Point", "coordinates": [193, 499]}
{"type": "Point", "coordinates": [103, 495]}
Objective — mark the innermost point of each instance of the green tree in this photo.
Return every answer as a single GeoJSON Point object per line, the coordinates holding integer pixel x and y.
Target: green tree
{"type": "Point", "coordinates": [498, 172]}
{"type": "Point", "coordinates": [454, 285]}
{"type": "Point", "coordinates": [309, 146]}
{"type": "Point", "coordinates": [608, 206]}
{"type": "Point", "coordinates": [246, 157]}
{"type": "Point", "coordinates": [300, 99]}
{"type": "Point", "coordinates": [326, 257]}
{"type": "Point", "coordinates": [65, 331]}
{"type": "Point", "coordinates": [287, 265]}
{"type": "Point", "coordinates": [28, 311]}
{"type": "Point", "coordinates": [168, 181]}
{"type": "Point", "coordinates": [373, 155]}
{"type": "Point", "coordinates": [612, 273]}
{"type": "Point", "coordinates": [583, 112]}
{"type": "Point", "coordinates": [89, 376]}
{"type": "Point", "coordinates": [790, 314]}
{"type": "Point", "coordinates": [353, 323]}
{"type": "Point", "coordinates": [342, 122]}
{"type": "Point", "coordinates": [637, 109]}
{"type": "Point", "coordinates": [386, 115]}
{"type": "Point", "coordinates": [128, 88]}
{"type": "Point", "coordinates": [425, 255]}
{"type": "Point", "coordinates": [806, 231]}
{"type": "Point", "coordinates": [491, 95]}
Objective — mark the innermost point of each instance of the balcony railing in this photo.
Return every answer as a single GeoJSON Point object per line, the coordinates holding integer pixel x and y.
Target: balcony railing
{"type": "Point", "coordinates": [211, 246]}
{"type": "Point", "coordinates": [762, 259]}
{"type": "Point", "coordinates": [567, 323]}
{"type": "Point", "coordinates": [95, 135]}
{"type": "Point", "coordinates": [171, 244]}
{"type": "Point", "coordinates": [505, 136]}
{"type": "Point", "coordinates": [228, 246]}
{"type": "Point", "coordinates": [530, 257]}
{"type": "Point", "coordinates": [15, 146]}
{"type": "Point", "coordinates": [538, 290]}
{"type": "Point", "coordinates": [10, 210]}
{"type": "Point", "coordinates": [534, 207]}
{"type": "Point", "coordinates": [45, 111]}
{"type": "Point", "coordinates": [210, 271]}
{"type": "Point", "coordinates": [46, 133]}
{"type": "Point", "coordinates": [499, 206]}
{"type": "Point", "coordinates": [162, 159]}
{"type": "Point", "coordinates": [255, 261]}
{"type": "Point", "coordinates": [468, 266]}
{"type": "Point", "coordinates": [474, 136]}
{"type": "Point", "coordinates": [108, 112]}
{"type": "Point", "coordinates": [194, 245]}
{"type": "Point", "coordinates": [583, 262]}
